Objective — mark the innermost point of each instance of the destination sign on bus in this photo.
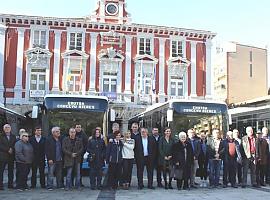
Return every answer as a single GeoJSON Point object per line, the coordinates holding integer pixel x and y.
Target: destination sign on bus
{"type": "Point", "coordinates": [200, 109]}
{"type": "Point", "coordinates": [75, 105]}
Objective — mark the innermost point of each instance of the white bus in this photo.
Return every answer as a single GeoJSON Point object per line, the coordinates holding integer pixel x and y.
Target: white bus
{"type": "Point", "coordinates": [181, 115]}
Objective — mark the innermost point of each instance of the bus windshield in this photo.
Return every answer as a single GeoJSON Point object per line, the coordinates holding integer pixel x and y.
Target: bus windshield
{"type": "Point", "coordinates": [199, 122]}
{"type": "Point", "coordinates": [200, 116]}
{"type": "Point", "coordinates": [68, 119]}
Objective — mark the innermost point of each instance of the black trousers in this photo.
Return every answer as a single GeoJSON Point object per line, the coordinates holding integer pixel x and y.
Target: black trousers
{"type": "Point", "coordinates": [40, 166]}
{"type": "Point", "coordinates": [140, 168]}
{"type": "Point", "coordinates": [114, 174]}
{"type": "Point", "coordinates": [158, 170]}
{"type": "Point", "coordinates": [127, 170]}
{"type": "Point", "coordinates": [239, 173]}
{"type": "Point", "coordinates": [229, 171]}
{"type": "Point", "coordinates": [10, 172]}
{"type": "Point", "coordinates": [167, 171]}
{"type": "Point", "coordinates": [203, 166]}
{"type": "Point", "coordinates": [261, 174]}
{"type": "Point", "coordinates": [95, 177]}
{"type": "Point", "coordinates": [22, 174]}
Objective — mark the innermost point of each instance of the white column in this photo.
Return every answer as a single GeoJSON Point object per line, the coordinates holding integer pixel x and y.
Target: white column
{"type": "Point", "coordinates": [57, 57]}
{"type": "Point", "coordinates": [102, 11]}
{"type": "Point", "coordinates": [185, 82]}
{"type": "Point", "coordinates": [93, 59]}
{"type": "Point", "coordinates": [19, 67]}
{"type": "Point", "coordinates": [84, 61]}
{"type": "Point", "coordinates": [121, 12]}
{"type": "Point", "coordinates": [2, 60]}
{"type": "Point", "coordinates": [193, 68]}
{"type": "Point", "coordinates": [161, 69]}
{"type": "Point", "coordinates": [119, 77]}
{"type": "Point", "coordinates": [208, 45]}
{"type": "Point", "coordinates": [128, 65]}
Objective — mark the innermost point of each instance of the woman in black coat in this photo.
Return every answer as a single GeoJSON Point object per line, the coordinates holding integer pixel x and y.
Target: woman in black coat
{"type": "Point", "coordinates": [97, 150]}
{"type": "Point", "coordinates": [183, 157]}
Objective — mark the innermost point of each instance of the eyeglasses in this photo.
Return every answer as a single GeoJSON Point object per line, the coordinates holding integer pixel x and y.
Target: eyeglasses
{"type": "Point", "coordinates": [25, 136]}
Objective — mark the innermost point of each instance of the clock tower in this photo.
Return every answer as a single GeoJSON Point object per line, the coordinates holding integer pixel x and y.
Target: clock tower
{"type": "Point", "coordinates": [111, 11]}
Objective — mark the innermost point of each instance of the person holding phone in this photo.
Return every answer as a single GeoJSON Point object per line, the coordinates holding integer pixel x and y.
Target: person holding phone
{"type": "Point", "coordinates": [72, 148]}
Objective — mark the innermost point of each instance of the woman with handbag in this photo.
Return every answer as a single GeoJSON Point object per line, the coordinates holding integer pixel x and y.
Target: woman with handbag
{"type": "Point", "coordinates": [97, 150]}
{"type": "Point", "coordinates": [165, 157]}
{"type": "Point", "coordinates": [182, 155]}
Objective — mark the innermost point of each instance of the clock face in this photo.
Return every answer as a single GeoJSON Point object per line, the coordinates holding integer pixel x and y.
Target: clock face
{"type": "Point", "coordinates": [111, 9]}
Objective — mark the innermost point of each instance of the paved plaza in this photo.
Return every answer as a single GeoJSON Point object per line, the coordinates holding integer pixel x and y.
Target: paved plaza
{"type": "Point", "coordinates": [159, 193]}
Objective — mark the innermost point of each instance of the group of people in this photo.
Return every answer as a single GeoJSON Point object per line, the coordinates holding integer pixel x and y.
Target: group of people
{"type": "Point", "coordinates": [181, 159]}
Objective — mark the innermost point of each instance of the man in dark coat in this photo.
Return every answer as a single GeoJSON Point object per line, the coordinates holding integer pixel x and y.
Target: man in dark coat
{"type": "Point", "coordinates": [7, 155]}
{"type": "Point", "coordinates": [145, 155]}
{"type": "Point", "coordinates": [82, 135]}
{"type": "Point", "coordinates": [157, 165]}
{"type": "Point", "coordinates": [229, 151]}
{"type": "Point", "coordinates": [135, 130]}
{"type": "Point", "coordinates": [72, 147]}
{"type": "Point", "coordinates": [53, 151]}
{"type": "Point", "coordinates": [38, 143]}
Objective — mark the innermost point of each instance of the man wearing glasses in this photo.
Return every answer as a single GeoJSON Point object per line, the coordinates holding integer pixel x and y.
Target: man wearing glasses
{"type": "Point", "coordinates": [24, 155]}
{"type": "Point", "coordinates": [7, 143]}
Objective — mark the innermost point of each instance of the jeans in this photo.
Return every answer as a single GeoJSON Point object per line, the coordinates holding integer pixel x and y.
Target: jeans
{"type": "Point", "coordinates": [41, 167]}
{"type": "Point", "coordinates": [76, 169]}
{"type": "Point", "coordinates": [55, 168]}
{"type": "Point", "coordinates": [127, 170]}
{"type": "Point", "coordinates": [10, 172]}
{"type": "Point", "coordinates": [214, 175]}
{"type": "Point", "coordinates": [23, 170]}
{"type": "Point", "coordinates": [95, 177]}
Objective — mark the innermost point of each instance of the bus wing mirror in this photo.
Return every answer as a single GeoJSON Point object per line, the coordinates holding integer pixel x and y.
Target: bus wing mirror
{"type": "Point", "coordinates": [112, 115]}
{"type": "Point", "coordinates": [230, 119]}
{"type": "Point", "coordinates": [35, 112]}
{"type": "Point", "coordinates": [169, 115]}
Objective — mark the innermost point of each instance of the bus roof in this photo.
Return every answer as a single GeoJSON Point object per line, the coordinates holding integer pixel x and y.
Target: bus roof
{"type": "Point", "coordinates": [157, 105]}
{"type": "Point", "coordinates": [75, 96]}
{"type": "Point", "coordinates": [244, 110]}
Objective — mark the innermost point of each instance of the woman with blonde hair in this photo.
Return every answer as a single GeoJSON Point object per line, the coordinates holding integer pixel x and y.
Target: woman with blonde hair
{"type": "Point", "coordinates": [128, 157]}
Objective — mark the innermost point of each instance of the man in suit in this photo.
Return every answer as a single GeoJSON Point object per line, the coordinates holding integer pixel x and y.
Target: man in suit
{"type": "Point", "coordinates": [134, 130]}
{"type": "Point", "coordinates": [196, 147]}
{"type": "Point", "coordinates": [145, 154]}
{"type": "Point", "coordinates": [157, 166]}
{"type": "Point", "coordinates": [38, 143]}
{"type": "Point", "coordinates": [7, 155]}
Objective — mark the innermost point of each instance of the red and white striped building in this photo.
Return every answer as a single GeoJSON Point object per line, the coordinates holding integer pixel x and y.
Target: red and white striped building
{"type": "Point", "coordinates": [102, 54]}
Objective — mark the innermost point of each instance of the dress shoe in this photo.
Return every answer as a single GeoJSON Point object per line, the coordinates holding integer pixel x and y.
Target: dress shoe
{"type": "Point", "coordinates": [255, 186]}
{"type": "Point", "coordinates": [151, 187]}
{"type": "Point", "coordinates": [140, 187]}
{"type": "Point", "coordinates": [160, 185]}
{"type": "Point", "coordinates": [234, 186]}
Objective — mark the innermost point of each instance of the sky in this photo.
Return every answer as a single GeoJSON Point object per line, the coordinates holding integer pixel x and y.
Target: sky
{"type": "Point", "coordinates": [243, 21]}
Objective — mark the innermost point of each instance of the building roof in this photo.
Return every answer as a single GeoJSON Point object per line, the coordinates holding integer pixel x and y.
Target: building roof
{"type": "Point", "coordinates": [85, 22]}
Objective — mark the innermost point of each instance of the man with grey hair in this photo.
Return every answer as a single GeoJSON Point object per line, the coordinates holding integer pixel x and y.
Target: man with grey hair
{"type": "Point", "coordinates": [212, 148]}
{"type": "Point", "coordinates": [53, 151]}
{"type": "Point", "coordinates": [267, 138]}
{"type": "Point", "coordinates": [250, 155]}
{"type": "Point", "coordinates": [230, 154]}
{"type": "Point", "coordinates": [7, 143]}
